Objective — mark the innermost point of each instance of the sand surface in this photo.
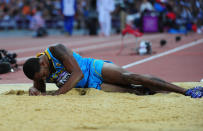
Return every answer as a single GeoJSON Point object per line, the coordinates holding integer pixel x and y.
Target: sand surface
{"type": "Point", "coordinates": [98, 110]}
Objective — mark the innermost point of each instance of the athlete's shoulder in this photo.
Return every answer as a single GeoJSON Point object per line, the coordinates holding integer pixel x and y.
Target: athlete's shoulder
{"type": "Point", "coordinates": [56, 46]}
{"type": "Point", "coordinates": [59, 48]}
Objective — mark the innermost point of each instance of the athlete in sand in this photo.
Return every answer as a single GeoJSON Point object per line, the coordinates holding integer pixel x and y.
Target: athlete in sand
{"type": "Point", "coordinates": [67, 70]}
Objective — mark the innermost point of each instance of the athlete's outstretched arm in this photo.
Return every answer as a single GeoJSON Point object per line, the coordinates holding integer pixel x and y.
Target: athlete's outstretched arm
{"type": "Point", "coordinates": [65, 55]}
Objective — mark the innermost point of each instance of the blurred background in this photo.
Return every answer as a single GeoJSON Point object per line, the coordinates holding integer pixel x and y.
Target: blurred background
{"type": "Point", "coordinates": [96, 17]}
{"type": "Point", "coordinates": [93, 28]}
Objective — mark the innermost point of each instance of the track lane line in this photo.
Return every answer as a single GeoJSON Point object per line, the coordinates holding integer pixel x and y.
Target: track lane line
{"type": "Point", "coordinates": [164, 53]}
{"type": "Point", "coordinates": [92, 47]}
{"type": "Point", "coordinates": [72, 43]}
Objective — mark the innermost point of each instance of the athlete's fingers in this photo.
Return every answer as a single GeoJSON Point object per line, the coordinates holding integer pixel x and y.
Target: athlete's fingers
{"type": "Point", "coordinates": [33, 92]}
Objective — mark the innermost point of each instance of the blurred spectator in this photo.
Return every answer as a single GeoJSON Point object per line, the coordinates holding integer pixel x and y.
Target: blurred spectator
{"type": "Point", "coordinates": [146, 6]}
{"type": "Point", "coordinates": [133, 14]}
{"type": "Point", "coordinates": [87, 20]}
{"type": "Point", "coordinates": [159, 6]}
{"type": "Point", "coordinates": [198, 13]}
{"type": "Point", "coordinates": [123, 14]}
{"type": "Point", "coordinates": [105, 8]}
{"type": "Point", "coordinates": [172, 14]}
{"type": "Point", "coordinates": [20, 13]}
{"type": "Point", "coordinates": [26, 9]}
{"type": "Point", "coordinates": [38, 24]}
{"type": "Point", "coordinates": [68, 10]}
{"type": "Point", "coordinates": [92, 18]}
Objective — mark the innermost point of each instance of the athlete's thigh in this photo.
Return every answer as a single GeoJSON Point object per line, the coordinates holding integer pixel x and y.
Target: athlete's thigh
{"type": "Point", "coordinates": [112, 74]}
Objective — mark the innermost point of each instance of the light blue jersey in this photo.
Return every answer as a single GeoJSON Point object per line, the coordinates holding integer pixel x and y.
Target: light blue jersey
{"type": "Point", "coordinates": [91, 69]}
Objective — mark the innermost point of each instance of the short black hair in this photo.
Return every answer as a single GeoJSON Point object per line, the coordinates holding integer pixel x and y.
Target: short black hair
{"type": "Point", "coordinates": [30, 67]}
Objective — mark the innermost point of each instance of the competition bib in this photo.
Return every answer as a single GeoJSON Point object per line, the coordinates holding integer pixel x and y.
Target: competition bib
{"type": "Point", "coordinates": [62, 78]}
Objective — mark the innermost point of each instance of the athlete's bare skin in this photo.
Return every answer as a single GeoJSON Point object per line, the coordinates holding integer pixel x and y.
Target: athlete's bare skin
{"type": "Point", "coordinates": [113, 75]}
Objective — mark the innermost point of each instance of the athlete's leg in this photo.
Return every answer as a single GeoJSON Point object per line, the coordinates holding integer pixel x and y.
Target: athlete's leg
{"type": "Point", "coordinates": [135, 89]}
{"type": "Point", "coordinates": [114, 74]}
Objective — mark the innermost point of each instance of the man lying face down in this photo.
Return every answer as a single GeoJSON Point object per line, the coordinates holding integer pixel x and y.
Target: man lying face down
{"type": "Point", "coordinates": [67, 69]}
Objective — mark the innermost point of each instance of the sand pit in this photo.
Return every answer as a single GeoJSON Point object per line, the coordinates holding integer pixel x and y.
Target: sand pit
{"type": "Point", "coordinates": [98, 110]}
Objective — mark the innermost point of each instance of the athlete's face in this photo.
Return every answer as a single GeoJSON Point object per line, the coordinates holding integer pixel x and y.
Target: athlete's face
{"type": "Point", "coordinates": [44, 71]}
{"type": "Point", "coordinates": [43, 74]}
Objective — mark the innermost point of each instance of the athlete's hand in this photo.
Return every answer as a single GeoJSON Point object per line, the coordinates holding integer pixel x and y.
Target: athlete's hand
{"type": "Point", "coordinates": [34, 92]}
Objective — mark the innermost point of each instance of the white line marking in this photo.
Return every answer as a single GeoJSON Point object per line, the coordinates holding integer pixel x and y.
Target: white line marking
{"type": "Point", "coordinates": [106, 41]}
{"type": "Point", "coordinates": [164, 53]}
{"type": "Point", "coordinates": [71, 43]}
